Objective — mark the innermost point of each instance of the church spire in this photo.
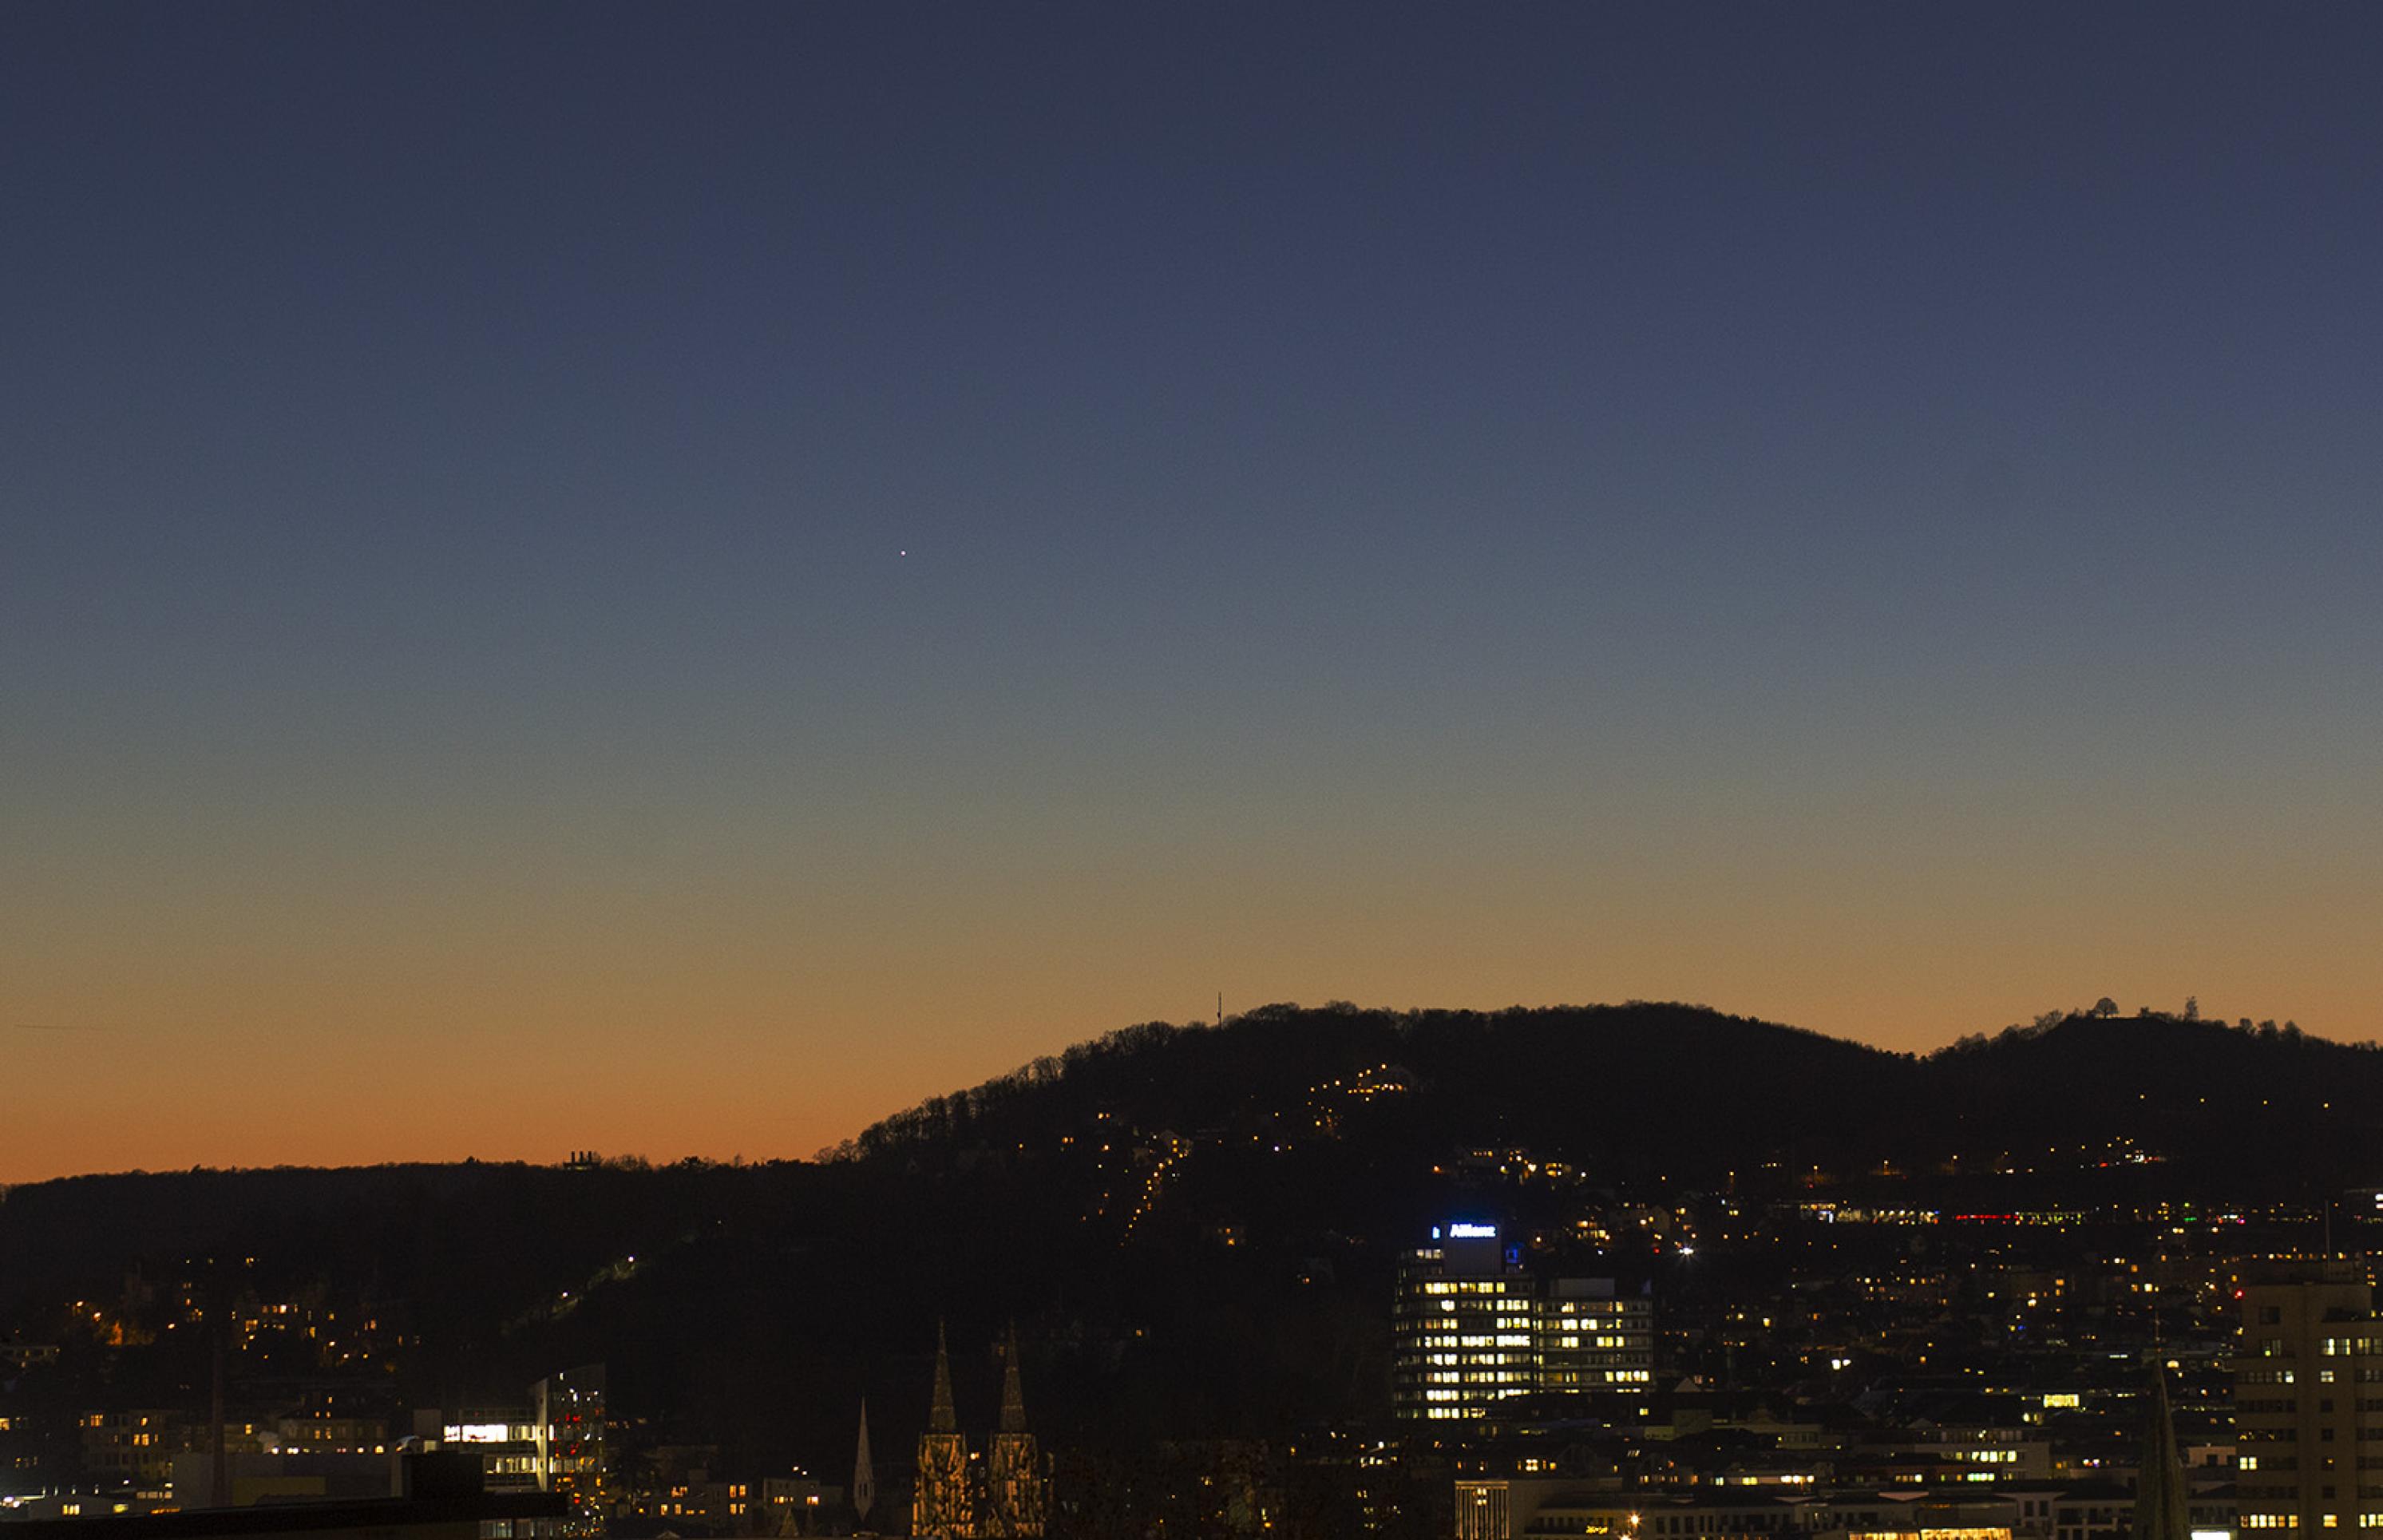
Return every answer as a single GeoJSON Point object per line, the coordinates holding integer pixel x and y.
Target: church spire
{"type": "Point", "coordinates": [864, 1474]}
{"type": "Point", "coordinates": [1016, 1491]}
{"type": "Point", "coordinates": [943, 1418]}
{"type": "Point", "coordinates": [2159, 1487]}
{"type": "Point", "coordinates": [1013, 1398]}
{"type": "Point", "coordinates": [942, 1504]}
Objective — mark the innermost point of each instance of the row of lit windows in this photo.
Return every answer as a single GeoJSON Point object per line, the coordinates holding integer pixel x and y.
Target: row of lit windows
{"type": "Point", "coordinates": [2292, 1520]}
{"type": "Point", "coordinates": [2284, 1377]}
{"type": "Point", "coordinates": [1487, 1376]}
{"type": "Point", "coordinates": [1520, 1291]}
{"type": "Point", "coordinates": [1515, 1374]}
{"type": "Point", "coordinates": [1566, 1372]}
{"type": "Point", "coordinates": [1556, 1379]}
{"type": "Point", "coordinates": [490, 1432]}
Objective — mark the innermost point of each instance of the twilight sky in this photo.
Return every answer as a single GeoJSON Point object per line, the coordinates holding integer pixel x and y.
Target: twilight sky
{"type": "Point", "coordinates": [1863, 515]}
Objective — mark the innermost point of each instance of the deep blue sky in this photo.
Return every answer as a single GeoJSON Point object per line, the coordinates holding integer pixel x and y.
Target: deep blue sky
{"type": "Point", "coordinates": [1864, 514]}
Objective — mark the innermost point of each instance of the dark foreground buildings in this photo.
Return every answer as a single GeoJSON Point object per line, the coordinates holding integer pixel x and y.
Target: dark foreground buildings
{"type": "Point", "coordinates": [443, 1497]}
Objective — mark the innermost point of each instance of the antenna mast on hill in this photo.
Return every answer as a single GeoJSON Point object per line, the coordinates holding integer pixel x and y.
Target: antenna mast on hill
{"type": "Point", "coordinates": [1220, 1007]}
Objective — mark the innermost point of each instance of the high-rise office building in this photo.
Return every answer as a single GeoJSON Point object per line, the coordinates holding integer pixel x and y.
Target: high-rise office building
{"type": "Point", "coordinates": [1472, 1326]}
{"type": "Point", "coordinates": [1590, 1338]}
{"type": "Point", "coordinates": [572, 1433]}
{"type": "Point", "coordinates": [557, 1444]}
{"type": "Point", "coordinates": [2308, 1408]}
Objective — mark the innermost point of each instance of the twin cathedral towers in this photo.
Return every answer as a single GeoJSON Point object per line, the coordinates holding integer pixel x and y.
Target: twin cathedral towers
{"type": "Point", "coordinates": [1005, 1496]}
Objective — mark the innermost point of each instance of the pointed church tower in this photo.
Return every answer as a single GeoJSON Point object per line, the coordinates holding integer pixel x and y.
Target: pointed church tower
{"type": "Point", "coordinates": [2159, 1488]}
{"type": "Point", "coordinates": [1016, 1497]}
{"type": "Point", "coordinates": [1013, 1396]}
{"type": "Point", "coordinates": [864, 1474]}
{"type": "Point", "coordinates": [939, 1503]}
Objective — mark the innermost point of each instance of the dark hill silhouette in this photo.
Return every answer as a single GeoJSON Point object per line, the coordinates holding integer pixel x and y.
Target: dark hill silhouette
{"type": "Point", "coordinates": [2245, 1112]}
{"type": "Point", "coordinates": [1689, 1093]}
{"type": "Point", "coordinates": [1618, 1083]}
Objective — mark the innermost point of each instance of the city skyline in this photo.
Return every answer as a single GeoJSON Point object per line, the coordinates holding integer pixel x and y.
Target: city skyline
{"type": "Point", "coordinates": [694, 578]}
{"type": "Point", "coordinates": [1310, 1274]}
